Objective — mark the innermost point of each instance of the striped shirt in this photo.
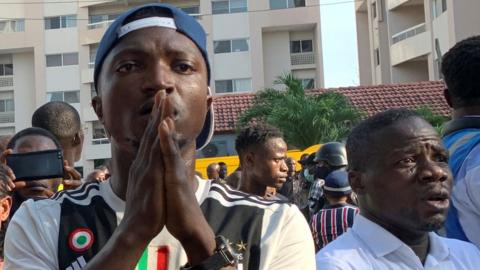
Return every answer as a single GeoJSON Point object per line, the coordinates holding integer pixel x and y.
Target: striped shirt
{"type": "Point", "coordinates": [332, 221]}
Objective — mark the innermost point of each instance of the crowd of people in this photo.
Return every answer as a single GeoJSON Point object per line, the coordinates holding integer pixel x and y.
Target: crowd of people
{"type": "Point", "coordinates": [394, 195]}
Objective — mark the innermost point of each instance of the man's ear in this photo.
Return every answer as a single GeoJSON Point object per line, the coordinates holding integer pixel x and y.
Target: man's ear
{"type": "Point", "coordinates": [448, 98]}
{"type": "Point", "coordinates": [249, 159]}
{"type": "Point", "coordinates": [356, 180]}
{"type": "Point", "coordinates": [77, 139]}
{"type": "Point", "coordinates": [209, 97]}
{"type": "Point", "coordinates": [97, 107]}
{"type": "Point", "coordinates": [5, 206]}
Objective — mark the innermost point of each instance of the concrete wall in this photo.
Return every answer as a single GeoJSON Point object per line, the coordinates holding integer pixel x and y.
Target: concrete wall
{"type": "Point", "coordinates": [411, 48]}
{"type": "Point", "coordinates": [24, 85]}
{"type": "Point", "coordinates": [466, 18]}
{"type": "Point", "coordinates": [364, 51]}
{"type": "Point", "coordinates": [405, 17]}
{"type": "Point", "coordinates": [410, 72]}
{"type": "Point", "coordinates": [276, 55]}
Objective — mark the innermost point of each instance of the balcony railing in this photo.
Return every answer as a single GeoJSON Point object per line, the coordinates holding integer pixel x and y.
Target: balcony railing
{"type": "Point", "coordinates": [102, 24]}
{"type": "Point", "coordinates": [408, 33]}
{"type": "Point", "coordinates": [6, 81]}
{"type": "Point", "coordinates": [7, 117]}
{"type": "Point", "coordinates": [302, 58]}
{"type": "Point", "coordinates": [100, 141]}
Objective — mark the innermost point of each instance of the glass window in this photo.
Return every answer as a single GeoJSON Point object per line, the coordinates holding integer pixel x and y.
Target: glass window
{"type": "Point", "coordinates": [295, 46]}
{"type": "Point", "coordinates": [9, 105]}
{"type": "Point", "coordinates": [2, 105]}
{"type": "Point", "coordinates": [3, 26]}
{"type": "Point", "coordinates": [63, 21]}
{"type": "Point", "coordinates": [96, 18]}
{"type": "Point", "coordinates": [296, 3]}
{"type": "Point", "coordinates": [278, 4]}
{"type": "Point", "coordinates": [19, 25]}
{"type": "Point", "coordinates": [374, 10]}
{"type": "Point", "coordinates": [8, 69]}
{"type": "Point", "coordinates": [70, 21]}
{"type": "Point", "coordinates": [307, 46]}
{"type": "Point", "coordinates": [191, 10]}
{"type": "Point", "coordinates": [55, 96]}
{"type": "Point", "coordinates": [308, 83]}
{"type": "Point", "coordinates": [242, 85]}
{"type": "Point", "coordinates": [239, 45]}
{"type": "Point", "coordinates": [72, 96]}
{"type": "Point", "coordinates": [2, 71]}
{"type": "Point", "coordinates": [52, 23]}
{"type": "Point", "coordinates": [98, 130]}
{"type": "Point", "coordinates": [223, 46]}
{"type": "Point", "coordinates": [224, 86]}
{"type": "Point", "coordinates": [219, 7]}
{"type": "Point", "coordinates": [54, 60]}
{"type": "Point", "coordinates": [70, 59]}
{"type": "Point", "coordinates": [238, 6]}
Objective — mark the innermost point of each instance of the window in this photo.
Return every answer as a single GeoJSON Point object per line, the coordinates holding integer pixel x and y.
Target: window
{"type": "Point", "coordinates": [65, 59]}
{"type": "Point", "coordinates": [66, 96]}
{"type": "Point", "coordinates": [301, 46]}
{"type": "Point", "coordinates": [99, 21]}
{"type": "Point", "coordinates": [7, 105]}
{"type": "Point", "coordinates": [377, 57]}
{"type": "Point", "coordinates": [6, 69]}
{"type": "Point", "coordinates": [439, 7]}
{"type": "Point", "coordinates": [60, 22]}
{"type": "Point", "coordinates": [235, 85]}
{"type": "Point", "coordinates": [93, 53]}
{"type": "Point", "coordinates": [308, 83]}
{"type": "Point", "coordinates": [280, 4]}
{"type": "Point", "coordinates": [98, 130]}
{"type": "Point", "coordinates": [374, 9]}
{"type": "Point", "coordinates": [192, 11]}
{"type": "Point", "coordinates": [228, 46]}
{"type": "Point", "coordinates": [229, 6]}
{"type": "Point", "coordinates": [12, 26]}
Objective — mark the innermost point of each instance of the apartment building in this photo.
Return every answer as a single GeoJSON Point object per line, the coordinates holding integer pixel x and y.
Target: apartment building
{"type": "Point", "coordinates": [47, 51]}
{"type": "Point", "coordinates": [403, 40]}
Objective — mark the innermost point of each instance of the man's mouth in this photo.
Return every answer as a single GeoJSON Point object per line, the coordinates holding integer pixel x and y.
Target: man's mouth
{"type": "Point", "coordinates": [437, 199]}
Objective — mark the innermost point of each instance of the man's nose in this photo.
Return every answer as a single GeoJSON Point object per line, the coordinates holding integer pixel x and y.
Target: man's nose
{"type": "Point", "coordinates": [158, 77]}
{"type": "Point", "coordinates": [432, 171]}
{"type": "Point", "coordinates": [283, 166]}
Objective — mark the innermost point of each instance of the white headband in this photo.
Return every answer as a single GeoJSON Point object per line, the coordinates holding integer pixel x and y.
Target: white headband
{"type": "Point", "coordinates": [337, 189]}
{"type": "Point", "coordinates": [146, 22]}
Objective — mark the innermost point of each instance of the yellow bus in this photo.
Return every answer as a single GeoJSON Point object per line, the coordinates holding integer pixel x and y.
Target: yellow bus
{"type": "Point", "coordinates": [233, 162]}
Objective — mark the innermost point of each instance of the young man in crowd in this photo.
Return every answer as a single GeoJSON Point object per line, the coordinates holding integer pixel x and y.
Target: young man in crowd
{"type": "Point", "coordinates": [63, 121]}
{"type": "Point", "coordinates": [287, 188]}
{"type": "Point", "coordinates": [398, 167]}
{"type": "Point", "coordinates": [152, 75]}
{"type": "Point", "coordinates": [337, 217]}
{"type": "Point", "coordinates": [223, 172]}
{"type": "Point", "coordinates": [213, 170]}
{"type": "Point", "coordinates": [460, 67]}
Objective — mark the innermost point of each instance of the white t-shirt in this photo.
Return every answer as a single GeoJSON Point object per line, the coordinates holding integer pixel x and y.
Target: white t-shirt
{"type": "Point", "coordinates": [271, 235]}
{"type": "Point", "coordinates": [369, 246]}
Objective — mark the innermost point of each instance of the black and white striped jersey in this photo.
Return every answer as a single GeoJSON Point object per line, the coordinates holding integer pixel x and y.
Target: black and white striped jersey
{"type": "Point", "coordinates": [66, 231]}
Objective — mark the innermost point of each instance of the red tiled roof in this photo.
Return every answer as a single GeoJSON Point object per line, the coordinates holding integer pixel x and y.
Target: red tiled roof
{"type": "Point", "coordinates": [369, 99]}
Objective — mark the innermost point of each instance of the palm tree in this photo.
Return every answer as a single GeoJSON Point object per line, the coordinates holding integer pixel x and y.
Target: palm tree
{"type": "Point", "coordinates": [305, 119]}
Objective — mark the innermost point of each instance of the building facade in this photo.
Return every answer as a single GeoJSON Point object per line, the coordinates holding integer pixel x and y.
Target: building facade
{"type": "Point", "coordinates": [403, 40]}
{"type": "Point", "coordinates": [47, 52]}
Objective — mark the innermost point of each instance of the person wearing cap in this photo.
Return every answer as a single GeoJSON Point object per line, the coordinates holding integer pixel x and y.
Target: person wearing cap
{"type": "Point", "coordinates": [151, 76]}
{"type": "Point", "coordinates": [329, 157]}
{"type": "Point", "coordinates": [337, 217]}
{"type": "Point", "coordinates": [398, 167]}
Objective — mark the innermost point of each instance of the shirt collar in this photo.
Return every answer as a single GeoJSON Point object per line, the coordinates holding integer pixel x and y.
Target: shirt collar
{"type": "Point", "coordinates": [381, 242]}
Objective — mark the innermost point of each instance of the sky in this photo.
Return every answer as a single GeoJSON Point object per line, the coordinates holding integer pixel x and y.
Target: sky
{"type": "Point", "coordinates": [339, 41]}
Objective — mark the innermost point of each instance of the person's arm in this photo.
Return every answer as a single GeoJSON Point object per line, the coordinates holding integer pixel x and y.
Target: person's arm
{"type": "Point", "coordinates": [295, 248]}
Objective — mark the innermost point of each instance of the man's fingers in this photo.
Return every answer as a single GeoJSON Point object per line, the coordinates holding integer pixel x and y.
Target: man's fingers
{"type": "Point", "coordinates": [3, 156]}
{"type": "Point", "coordinates": [71, 173]}
{"type": "Point", "coordinates": [169, 146]}
{"type": "Point", "coordinates": [20, 184]}
{"type": "Point", "coordinates": [150, 133]}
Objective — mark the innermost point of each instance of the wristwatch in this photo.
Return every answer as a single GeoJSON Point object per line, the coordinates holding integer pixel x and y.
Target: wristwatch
{"type": "Point", "coordinates": [223, 256]}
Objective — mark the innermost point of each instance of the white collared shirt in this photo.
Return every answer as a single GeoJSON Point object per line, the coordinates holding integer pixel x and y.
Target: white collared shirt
{"type": "Point", "coordinates": [369, 246]}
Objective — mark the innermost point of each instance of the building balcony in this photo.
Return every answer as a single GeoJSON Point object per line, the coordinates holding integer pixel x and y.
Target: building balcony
{"type": "Point", "coordinates": [410, 44]}
{"type": "Point", "coordinates": [103, 24]}
{"type": "Point", "coordinates": [393, 4]}
{"type": "Point", "coordinates": [7, 117]}
{"type": "Point", "coordinates": [302, 59]}
{"type": "Point", "coordinates": [6, 82]}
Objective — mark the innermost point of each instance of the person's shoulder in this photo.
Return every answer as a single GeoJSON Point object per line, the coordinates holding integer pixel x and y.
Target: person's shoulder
{"type": "Point", "coordinates": [81, 195]}
{"type": "Point", "coordinates": [230, 197]}
{"type": "Point", "coordinates": [460, 247]}
{"type": "Point", "coordinates": [346, 248]}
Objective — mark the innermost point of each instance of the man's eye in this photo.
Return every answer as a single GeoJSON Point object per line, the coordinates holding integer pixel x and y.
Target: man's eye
{"type": "Point", "coordinates": [127, 67]}
{"type": "Point", "coordinates": [407, 161]}
{"type": "Point", "coordinates": [183, 68]}
{"type": "Point", "coordinates": [441, 158]}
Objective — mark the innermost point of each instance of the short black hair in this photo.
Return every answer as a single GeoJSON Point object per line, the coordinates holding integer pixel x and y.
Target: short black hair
{"type": "Point", "coordinates": [255, 135]}
{"type": "Point", "coordinates": [360, 140]}
{"type": "Point", "coordinates": [60, 118]}
{"type": "Point", "coordinates": [461, 69]}
{"type": "Point", "coordinates": [221, 163]}
{"type": "Point", "coordinates": [32, 131]}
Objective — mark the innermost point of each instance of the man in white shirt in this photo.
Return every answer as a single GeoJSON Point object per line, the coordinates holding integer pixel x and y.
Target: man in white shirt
{"type": "Point", "coordinates": [398, 168]}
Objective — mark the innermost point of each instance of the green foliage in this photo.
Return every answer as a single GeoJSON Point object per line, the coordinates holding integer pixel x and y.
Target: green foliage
{"type": "Point", "coordinates": [304, 119]}
{"type": "Point", "coordinates": [436, 120]}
